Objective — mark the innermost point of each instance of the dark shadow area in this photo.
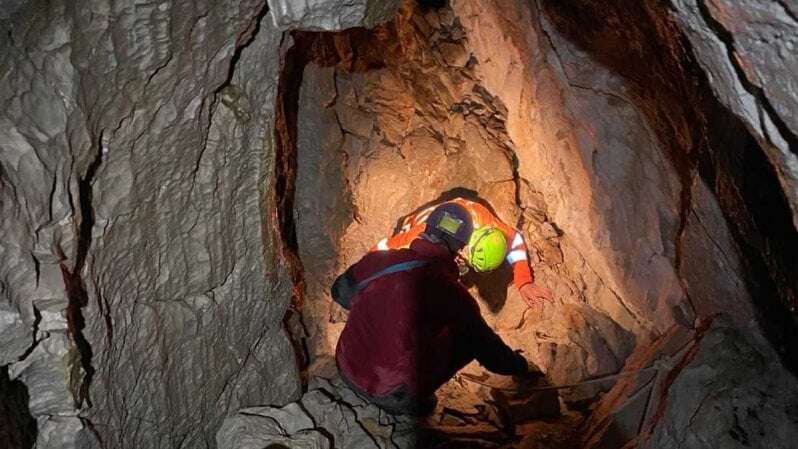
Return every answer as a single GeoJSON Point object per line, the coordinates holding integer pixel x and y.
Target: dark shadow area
{"type": "Point", "coordinates": [17, 426]}
{"type": "Point", "coordinates": [492, 286]}
{"type": "Point", "coordinates": [433, 3]}
{"type": "Point", "coordinates": [742, 177]}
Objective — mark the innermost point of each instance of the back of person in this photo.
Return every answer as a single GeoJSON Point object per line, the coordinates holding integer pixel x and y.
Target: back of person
{"type": "Point", "coordinates": [403, 328]}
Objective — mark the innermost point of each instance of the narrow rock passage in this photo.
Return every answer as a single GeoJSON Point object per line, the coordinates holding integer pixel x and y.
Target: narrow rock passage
{"type": "Point", "coordinates": [383, 122]}
{"type": "Point", "coordinates": [463, 99]}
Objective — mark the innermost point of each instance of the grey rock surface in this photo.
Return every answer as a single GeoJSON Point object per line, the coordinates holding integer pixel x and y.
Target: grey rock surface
{"type": "Point", "coordinates": [42, 371]}
{"type": "Point", "coordinates": [715, 387]}
{"type": "Point", "coordinates": [749, 51]}
{"type": "Point", "coordinates": [330, 15]}
{"type": "Point", "coordinates": [730, 395]}
{"type": "Point", "coordinates": [259, 427]}
{"type": "Point", "coordinates": [135, 168]}
{"type": "Point", "coordinates": [329, 415]}
{"type": "Point", "coordinates": [323, 206]}
{"type": "Point", "coordinates": [58, 432]}
{"type": "Point", "coordinates": [15, 335]}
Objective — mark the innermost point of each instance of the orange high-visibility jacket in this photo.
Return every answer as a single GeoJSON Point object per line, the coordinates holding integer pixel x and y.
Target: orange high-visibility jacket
{"type": "Point", "coordinates": [481, 216]}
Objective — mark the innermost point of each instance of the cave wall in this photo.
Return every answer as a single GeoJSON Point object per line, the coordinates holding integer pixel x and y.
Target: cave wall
{"type": "Point", "coordinates": [684, 74]}
{"type": "Point", "coordinates": [143, 279]}
{"type": "Point", "coordinates": [691, 74]}
{"type": "Point", "coordinates": [142, 293]}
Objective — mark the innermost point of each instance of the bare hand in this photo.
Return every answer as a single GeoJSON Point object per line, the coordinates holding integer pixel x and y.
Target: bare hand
{"type": "Point", "coordinates": [535, 294]}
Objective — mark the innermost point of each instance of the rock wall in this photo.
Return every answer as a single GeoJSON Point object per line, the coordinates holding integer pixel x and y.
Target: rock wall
{"type": "Point", "coordinates": [142, 293]}
{"type": "Point", "coordinates": [684, 75]}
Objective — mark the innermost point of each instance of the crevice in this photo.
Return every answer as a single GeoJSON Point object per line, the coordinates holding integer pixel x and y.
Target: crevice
{"type": "Point", "coordinates": [542, 23]}
{"type": "Point", "coordinates": [36, 267]}
{"type": "Point", "coordinates": [77, 295]}
{"type": "Point", "coordinates": [160, 66]}
{"type": "Point", "coordinates": [37, 315]}
{"type": "Point", "coordinates": [229, 380]}
{"type": "Point", "coordinates": [285, 138]}
{"type": "Point", "coordinates": [244, 39]}
{"type": "Point", "coordinates": [345, 164]}
{"type": "Point", "coordinates": [51, 199]}
{"type": "Point", "coordinates": [651, 385]}
{"type": "Point", "coordinates": [728, 260]}
{"type": "Point", "coordinates": [105, 311]}
{"type": "Point", "coordinates": [685, 209]}
{"type": "Point", "coordinates": [787, 10]}
{"type": "Point", "coordinates": [693, 415]}
{"type": "Point", "coordinates": [89, 425]}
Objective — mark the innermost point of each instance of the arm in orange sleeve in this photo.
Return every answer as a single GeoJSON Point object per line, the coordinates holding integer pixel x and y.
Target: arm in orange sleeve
{"type": "Point", "coordinates": [519, 259]}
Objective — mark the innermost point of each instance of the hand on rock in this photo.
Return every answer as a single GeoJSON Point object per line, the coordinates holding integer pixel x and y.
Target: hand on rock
{"type": "Point", "coordinates": [520, 361]}
{"type": "Point", "coordinates": [536, 295]}
{"type": "Point", "coordinates": [529, 379]}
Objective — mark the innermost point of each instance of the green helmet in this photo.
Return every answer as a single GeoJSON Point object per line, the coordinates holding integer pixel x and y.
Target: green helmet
{"type": "Point", "coordinates": [486, 249]}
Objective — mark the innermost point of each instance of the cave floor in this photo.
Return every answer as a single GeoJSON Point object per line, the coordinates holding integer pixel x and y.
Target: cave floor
{"type": "Point", "coordinates": [477, 409]}
{"type": "Point", "coordinates": [473, 415]}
